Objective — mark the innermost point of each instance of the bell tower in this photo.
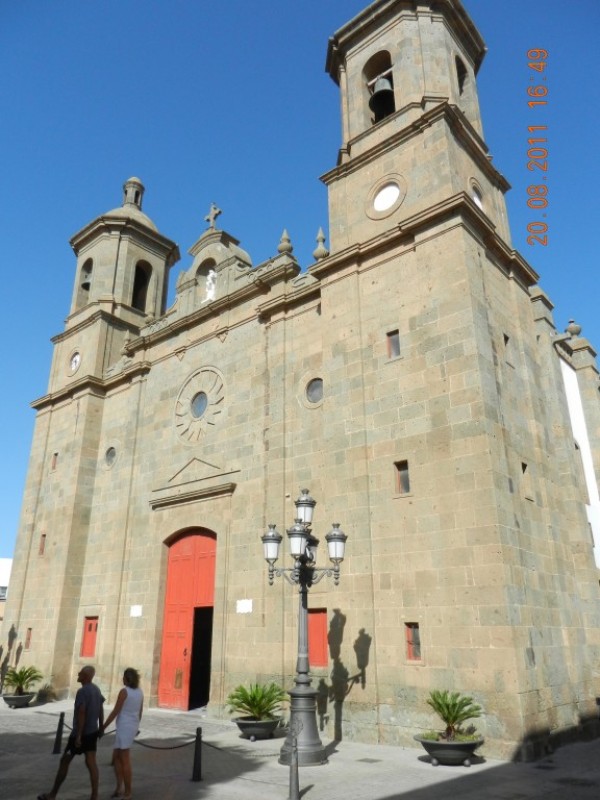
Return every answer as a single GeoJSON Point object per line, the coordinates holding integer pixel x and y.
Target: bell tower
{"type": "Point", "coordinates": [121, 281]}
{"type": "Point", "coordinates": [411, 128]}
{"type": "Point", "coordinates": [122, 256]}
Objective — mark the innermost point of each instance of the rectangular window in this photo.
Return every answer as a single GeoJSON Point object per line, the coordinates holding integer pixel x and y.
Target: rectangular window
{"type": "Point", "coordinates": [3, 591]}
{"type": "Point", "coordinates": [508, 350]}
{"type": "Point", "coordinates": [42, 547]}
{"type": "Point", "coordinates": [27, 644]}
{"type": "Point", "coordinates": [413, 641]}
{"type": "Point", "coordinates": [54, 461]}
{"type": "Point", "coordinates": [393, 344]}
{"type": "Point", "coordinates": [526, 487]}
{"type": "Point", "coordinates": [88, 640]}
{"type": "Point", "coordinates": [402, 477]}
{"type": "Point", "coordinates": [317, 637]}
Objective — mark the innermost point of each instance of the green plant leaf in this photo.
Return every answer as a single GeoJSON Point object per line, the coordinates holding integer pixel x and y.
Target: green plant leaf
{"type": "Point", "coordinates": [260, 701]}
{"type": "Point", "coordinates": [22, 679]}
{"type": "Point", "coordinates": [453, 709]}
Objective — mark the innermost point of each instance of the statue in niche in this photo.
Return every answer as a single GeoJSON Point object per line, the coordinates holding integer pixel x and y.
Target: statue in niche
{"type": "Point", "coordinates": [211, 286]}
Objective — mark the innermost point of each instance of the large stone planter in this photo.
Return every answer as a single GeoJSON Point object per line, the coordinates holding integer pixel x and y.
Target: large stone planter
{"type": "Point", "coordinates": [256, 728]}
{"type": "Point", "coordinates": [451, 753]}
{"type": "Point", "coordinates": [18, 700]}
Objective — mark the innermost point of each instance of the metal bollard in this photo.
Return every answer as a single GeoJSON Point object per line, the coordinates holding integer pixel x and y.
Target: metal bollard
{"type": "Point", "coordinates": [197, 770]}
{"type": "Point", "coordinates": [59, 732]}
{"type": "Point", "coordinates": [294, 781]}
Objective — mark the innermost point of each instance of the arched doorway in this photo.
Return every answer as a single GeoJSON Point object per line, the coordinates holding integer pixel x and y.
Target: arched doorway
{"type": "Point", "coordinates": [184, 678]}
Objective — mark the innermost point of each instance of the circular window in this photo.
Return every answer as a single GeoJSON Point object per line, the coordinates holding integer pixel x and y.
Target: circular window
{"type": "Point", "coordinates": [199, 404]}
{"type": "Point", "coordinates": [74, 362]}
{"type": "Point", "coordinates": [110, 456]}
{"type": "Point", "coordinates": [386, 197]}
{"type": "Point", "coordinates": [314, 390]}
{"type": "Point", "coordinates": [476, 194]}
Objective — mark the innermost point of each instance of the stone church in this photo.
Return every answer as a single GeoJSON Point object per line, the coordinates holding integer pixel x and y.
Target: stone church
{"type": "Point", "coordinates": [412, 378]}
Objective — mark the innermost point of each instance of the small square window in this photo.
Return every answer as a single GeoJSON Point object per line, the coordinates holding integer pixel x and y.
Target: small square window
{"type": "Point", "coordinates": [402, 477]}
{"type": "Point", "coordinates": [413, 641]}
{"type": "Point", "coordinates": [393, 344]}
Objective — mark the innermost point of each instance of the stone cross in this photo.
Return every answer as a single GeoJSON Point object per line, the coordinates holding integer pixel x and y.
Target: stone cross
{"type": "Point", "coordinates": [212, 215]}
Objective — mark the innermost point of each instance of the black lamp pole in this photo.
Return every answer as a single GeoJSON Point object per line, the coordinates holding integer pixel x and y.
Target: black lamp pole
{"type": "Point", "coordinates": [303, 733]}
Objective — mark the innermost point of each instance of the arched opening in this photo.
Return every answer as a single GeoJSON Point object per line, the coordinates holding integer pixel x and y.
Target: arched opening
{"type": "Point", "coordinates": [85, 283]}
{"type": "Point", "coordinates": [461, 74]}
{"type": "Point", "coordinates": [185, 662]}
{"type": "Point", "coordinates": [379, 82]}
{"type": "Point", "coordinates": [204, 268]}
{"type": "Point", "coordinates": [143, 272]}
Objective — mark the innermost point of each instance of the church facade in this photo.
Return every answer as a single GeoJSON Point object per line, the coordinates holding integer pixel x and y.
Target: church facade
{"type": "Point", "coordinates": [412, 378]}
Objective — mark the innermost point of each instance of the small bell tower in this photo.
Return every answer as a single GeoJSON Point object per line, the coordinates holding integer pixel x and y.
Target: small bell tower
{"type": "Point", "coordinates": [411, 126]}
{"type": "Point", "coordinates": [121, 256]}
{"type": "Point", "coordinates": [121, 282]}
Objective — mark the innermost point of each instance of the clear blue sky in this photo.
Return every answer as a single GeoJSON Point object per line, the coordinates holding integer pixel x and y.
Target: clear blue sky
{"type": "Point", "coordinates": [228, 101]}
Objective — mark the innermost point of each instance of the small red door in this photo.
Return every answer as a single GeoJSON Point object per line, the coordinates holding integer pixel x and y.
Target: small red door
{"type": "Point", "coordinates": [190, 584]}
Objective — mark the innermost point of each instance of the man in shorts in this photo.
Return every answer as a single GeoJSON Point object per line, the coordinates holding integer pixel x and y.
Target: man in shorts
{"type": "Point", "coordinates": [88, 718]}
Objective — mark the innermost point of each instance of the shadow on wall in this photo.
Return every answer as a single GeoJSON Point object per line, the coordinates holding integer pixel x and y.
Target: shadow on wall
{"type": "Point", "coordinates": [536, 744]}
{"type": "Point", "coordinates": [341, 681]}
{"type": "Point", "coordinates": [540, 742]}
{"type": "Point", "coordinates": [6, 659]}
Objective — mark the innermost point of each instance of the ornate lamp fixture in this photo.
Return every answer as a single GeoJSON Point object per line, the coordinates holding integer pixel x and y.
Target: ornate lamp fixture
{"type": "Point", "coordinates": [303, 548]}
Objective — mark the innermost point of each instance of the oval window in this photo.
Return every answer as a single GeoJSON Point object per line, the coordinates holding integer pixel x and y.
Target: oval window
{"type": "Point", "coordinates": [386, 197]}
{"type": "Point", "coordinates": [199, 404]}
{"type": "Point", "coordinates": [314, 390]}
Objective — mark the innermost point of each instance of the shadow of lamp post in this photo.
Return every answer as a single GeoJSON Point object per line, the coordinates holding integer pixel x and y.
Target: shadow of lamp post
{"type": "Point", "coordinates": [304, 574]}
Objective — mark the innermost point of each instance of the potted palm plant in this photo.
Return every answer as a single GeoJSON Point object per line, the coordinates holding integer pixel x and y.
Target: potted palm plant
{"type": "Point", "coordinates": [21, 680]}
{"type": "Point", "coordinates": [259, 705]}
{"type": "Point", "coordinates": [455, 744]}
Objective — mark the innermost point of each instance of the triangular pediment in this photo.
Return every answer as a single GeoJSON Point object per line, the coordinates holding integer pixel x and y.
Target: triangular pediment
{"type": "Point", "coordinates": [196, 469]}
{"type": "Point", "coordinates": [195, 481]}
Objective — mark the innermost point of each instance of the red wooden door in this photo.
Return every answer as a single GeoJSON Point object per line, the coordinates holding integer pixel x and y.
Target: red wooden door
{"type": "Point", "coordinates": [190, 584]}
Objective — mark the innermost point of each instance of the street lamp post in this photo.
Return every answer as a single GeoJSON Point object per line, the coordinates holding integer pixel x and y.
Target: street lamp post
{"type": "Point", "coordinates": [303, 733]}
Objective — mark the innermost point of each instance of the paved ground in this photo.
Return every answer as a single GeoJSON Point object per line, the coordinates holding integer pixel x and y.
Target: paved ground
{"type": "Point", "coordinates": [234, 768]}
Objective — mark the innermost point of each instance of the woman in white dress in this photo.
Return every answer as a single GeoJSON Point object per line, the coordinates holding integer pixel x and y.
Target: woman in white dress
{"type": "Point", "coordinates": [128, 713]}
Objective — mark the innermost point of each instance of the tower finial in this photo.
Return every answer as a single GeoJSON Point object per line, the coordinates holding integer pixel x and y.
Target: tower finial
{"type": "Point", "coordinates": [133, 192]}
{"type": "Point", "coordinates": [212, 216]}
{"type": "Point", "coordinates": [321, 251]}
{"type": "Point", "coordinates": [573, 329]}
{"type": "Point", "coordinates": [285, 243]}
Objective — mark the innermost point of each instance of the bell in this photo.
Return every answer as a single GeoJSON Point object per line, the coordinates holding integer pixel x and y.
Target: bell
{"type": "Point", "coordinates": [381, 101]}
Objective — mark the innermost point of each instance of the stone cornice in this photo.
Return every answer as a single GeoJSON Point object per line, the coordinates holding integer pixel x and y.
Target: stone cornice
{"type": "Point", "coordinates": [99, 315]}
{"type": "Point", "coordinates": [259, 281]}
{"type": "Point", "coordinates": [179, 497]}
{"type": "Point", "coordinates": [464, 132]}
{"type": "Point", "coordinates": [288, 301]}
{"type": "Point", "coordinates": [125, 226]}
{"type": "Point", "coordinates": [451, 11]}
{"type": "Point", "coordinates": [459, 205]}
{"type": "Point", "coordinates": [89, 384]}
